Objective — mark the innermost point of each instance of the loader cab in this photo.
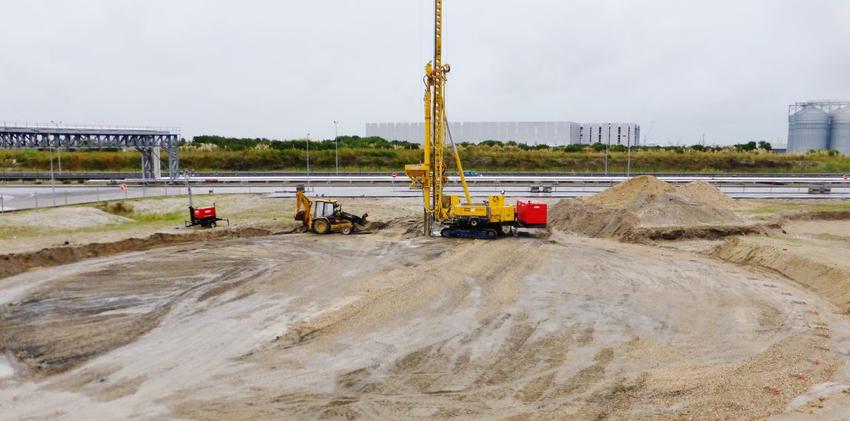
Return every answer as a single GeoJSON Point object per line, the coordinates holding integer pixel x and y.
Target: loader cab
{"type": "Point", "coordinates": [325, 209]}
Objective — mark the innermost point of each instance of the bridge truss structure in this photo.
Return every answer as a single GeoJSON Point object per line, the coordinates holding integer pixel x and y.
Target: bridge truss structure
{"type": "Point", "coordinates": [148, 141]}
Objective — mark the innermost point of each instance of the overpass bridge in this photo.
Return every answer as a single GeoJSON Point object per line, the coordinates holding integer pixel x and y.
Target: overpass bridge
{"type": "Point", "coordinates": [148, 141]}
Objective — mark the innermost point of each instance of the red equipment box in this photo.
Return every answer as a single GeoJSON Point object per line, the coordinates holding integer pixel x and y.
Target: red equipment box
{"type": "Point", "coordinates": [531, 213]}
{"type": "Point", "coordinates": [204, 213]}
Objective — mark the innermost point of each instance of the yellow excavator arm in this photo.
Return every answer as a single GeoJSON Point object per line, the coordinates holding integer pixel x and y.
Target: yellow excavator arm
{"type": "Point", "coordinates": [303, 208]}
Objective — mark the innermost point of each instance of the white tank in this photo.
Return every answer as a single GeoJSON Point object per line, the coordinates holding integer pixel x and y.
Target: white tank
{"type": "Point", "coordinates": [840, 139]}
{"type": "Point", "coordinates": [808, 130]}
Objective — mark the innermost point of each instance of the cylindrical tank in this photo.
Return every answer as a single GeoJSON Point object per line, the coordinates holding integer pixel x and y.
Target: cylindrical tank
{"type": "Point", "coordinates": [808, 129]}
{"type": "Point", "coordinates": [841, 130]}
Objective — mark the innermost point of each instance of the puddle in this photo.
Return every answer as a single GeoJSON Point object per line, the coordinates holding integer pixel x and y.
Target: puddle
{"type": "Point", "coordinates": [6, 369]}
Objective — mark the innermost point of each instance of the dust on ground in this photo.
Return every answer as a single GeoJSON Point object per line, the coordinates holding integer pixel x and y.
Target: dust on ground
{"type": "Point", "coordinates": [395, 325]}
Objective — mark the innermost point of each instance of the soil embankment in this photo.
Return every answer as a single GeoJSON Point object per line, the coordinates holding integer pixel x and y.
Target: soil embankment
{"type": "Point", "coordinates": [814, 259]}
{"type": "Point", "coordinates": [646, 208]}
{"type": "Point", "coordinates": [14, 263]}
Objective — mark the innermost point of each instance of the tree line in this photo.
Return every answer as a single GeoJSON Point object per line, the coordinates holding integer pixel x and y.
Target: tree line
{"type": "Point", "coordinates": [374, 142]}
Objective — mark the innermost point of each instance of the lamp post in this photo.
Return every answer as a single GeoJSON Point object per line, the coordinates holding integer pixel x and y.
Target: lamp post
{"type": "Point", "coordinates": [336, 143]}
{"type": "Point", "coordinates": [308, 159]}
{"type": "Point", "coordinates": [52, 180]}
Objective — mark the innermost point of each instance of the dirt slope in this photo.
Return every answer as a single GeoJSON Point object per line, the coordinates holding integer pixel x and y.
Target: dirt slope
{"type": "Point", "coordinates": [646, 208]}
{"type": "Point", "coordinates": [388, 326]}
{"type": "Point", "coordinates": [815, 259]}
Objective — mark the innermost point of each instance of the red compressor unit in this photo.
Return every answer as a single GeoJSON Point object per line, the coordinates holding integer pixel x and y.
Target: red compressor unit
{"type": "Point", "coordinates": [205, 217]}
{"type": "Point", "coordinates": [531, 214]}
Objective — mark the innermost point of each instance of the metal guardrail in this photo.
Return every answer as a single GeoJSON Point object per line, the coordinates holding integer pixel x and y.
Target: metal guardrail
{"type": "Point", "coordinates": [521, 180]}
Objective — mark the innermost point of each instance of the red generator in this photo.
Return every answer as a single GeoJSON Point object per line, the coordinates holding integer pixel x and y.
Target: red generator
{"type": "Point", "coordinates": [203, 213]}
{"type": "Point", "coordinates": [205, 217]}
{"type": "Point", "coordinates": [531, 214]}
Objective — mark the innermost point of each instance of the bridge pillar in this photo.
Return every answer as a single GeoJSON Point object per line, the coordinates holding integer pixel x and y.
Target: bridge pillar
{"type": "Point", "coordinates": [173, 162]}
{"type": "Point", "coordinates": [151, 166]}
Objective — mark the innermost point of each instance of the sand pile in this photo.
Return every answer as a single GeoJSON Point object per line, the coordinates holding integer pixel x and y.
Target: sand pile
{"type": "Point", "coordinates": [648, 208]}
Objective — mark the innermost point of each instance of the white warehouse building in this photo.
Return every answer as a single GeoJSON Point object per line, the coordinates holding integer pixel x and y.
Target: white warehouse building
{"type": "Point", "coordinates": [552, 133]}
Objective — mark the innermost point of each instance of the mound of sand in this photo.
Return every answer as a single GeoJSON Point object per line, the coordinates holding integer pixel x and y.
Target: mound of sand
{"type": "Point", "coordinates": [648, 208]}
{"type": "Point", "coordinates": [630, 193]}
{"type": "Point", "coordinates": [705, 192]}
{"type": "Point", "coordinates": [62, 218]}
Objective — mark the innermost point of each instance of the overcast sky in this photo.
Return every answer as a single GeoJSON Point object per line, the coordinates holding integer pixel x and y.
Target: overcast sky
{"type": "Point", "coordinates": [282, 69]}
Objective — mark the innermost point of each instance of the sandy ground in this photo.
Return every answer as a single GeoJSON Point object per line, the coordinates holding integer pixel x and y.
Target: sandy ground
{"type": "Point", "coordinates": [384, 326]}
{"type": "Point", "coordinates": [35, 230]}
{"type": "Point", "coordinates": [390, 325]}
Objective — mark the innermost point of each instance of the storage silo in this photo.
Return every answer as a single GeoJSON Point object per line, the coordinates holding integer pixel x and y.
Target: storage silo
{"type": "Point", "coordinates": [808, 129]}
{"type": "Point", "coordinates": [841, 130]}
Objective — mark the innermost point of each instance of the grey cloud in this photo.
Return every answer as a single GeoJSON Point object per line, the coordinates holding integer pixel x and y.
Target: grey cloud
{"type": "Point", "coordinates": [283, 69]}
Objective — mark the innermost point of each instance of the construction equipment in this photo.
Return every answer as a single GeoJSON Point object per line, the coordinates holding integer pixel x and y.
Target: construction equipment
{"type": "Point", "coordinates": [205, 216]}
{"type": "Point", "coordinates": [484, 220]}
{"type": "Point", "coordinates": [325, 216]}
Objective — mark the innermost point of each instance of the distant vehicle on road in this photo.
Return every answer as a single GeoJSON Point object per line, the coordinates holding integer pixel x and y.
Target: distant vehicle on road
{"type": "Point", "coordinates": [471, 174]}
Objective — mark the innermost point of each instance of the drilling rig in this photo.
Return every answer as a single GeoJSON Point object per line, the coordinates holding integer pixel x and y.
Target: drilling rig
{"type": "Point", "coordinates": [484, 220]}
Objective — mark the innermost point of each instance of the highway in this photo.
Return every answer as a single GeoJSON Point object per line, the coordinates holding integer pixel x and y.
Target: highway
{"type": "Point", "coordinates": [39, 196]}
{"type": "Point", "coordinates": [514, 179]}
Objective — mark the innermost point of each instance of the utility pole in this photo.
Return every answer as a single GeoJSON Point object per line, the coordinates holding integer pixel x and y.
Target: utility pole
{"type": "Point", "coordinates": [607, 145]}
{"type": "Point", "coordinates": [52, 179]}
{"type": "Point", "coordinates": [336, 142]}
{"type": "Point", "coordinates": [58, 145]}
{"type": "Point", "coordinates": [308, 159]}
{"type": "Point", "coordinates": [606, 159]}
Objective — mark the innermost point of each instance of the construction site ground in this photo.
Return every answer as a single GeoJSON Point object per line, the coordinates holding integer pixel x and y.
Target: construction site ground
{"type": "Point", "coordinates": [118, 311]}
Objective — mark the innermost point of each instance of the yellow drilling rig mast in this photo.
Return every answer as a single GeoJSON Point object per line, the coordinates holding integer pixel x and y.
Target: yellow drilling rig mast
{"type": "Point", "coordinates": [468, 220]}
{"type": "Point", "coordinates": [430, 174]}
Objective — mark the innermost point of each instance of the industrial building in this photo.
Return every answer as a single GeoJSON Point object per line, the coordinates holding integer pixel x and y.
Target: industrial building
{"type": "Point", "coordinates": [819, 125]}
{"type": "Point", "coordinates": [552, 133]}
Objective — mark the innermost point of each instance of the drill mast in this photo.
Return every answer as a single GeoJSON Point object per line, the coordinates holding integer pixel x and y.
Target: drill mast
{"type": "Point", "coordinates": [431, 174]}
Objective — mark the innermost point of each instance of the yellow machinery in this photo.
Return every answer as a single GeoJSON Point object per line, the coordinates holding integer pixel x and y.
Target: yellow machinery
{"type": "Point", "coordinates": [325, 216]}
{"type": "Point", "coordinates": [458, 219]}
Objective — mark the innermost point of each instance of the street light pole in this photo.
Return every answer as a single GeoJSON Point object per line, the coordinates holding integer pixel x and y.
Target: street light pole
{"type": "Point", "coordinates": [52, 179]}
{"type": "Point", "coordinates": [336, 142]}
{"type": "Point", "coordinates": [58, 146]}
{"type": "Point", "coordinates": [308, 159]}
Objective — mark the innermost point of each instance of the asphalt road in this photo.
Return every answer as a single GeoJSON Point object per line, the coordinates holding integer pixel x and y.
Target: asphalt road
{"type": "Point", "coordinates": [40, 196]}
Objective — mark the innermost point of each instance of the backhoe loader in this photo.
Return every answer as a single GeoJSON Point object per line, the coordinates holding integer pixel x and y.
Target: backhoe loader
{"type": "Point", "coordinates": [323, 216]}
